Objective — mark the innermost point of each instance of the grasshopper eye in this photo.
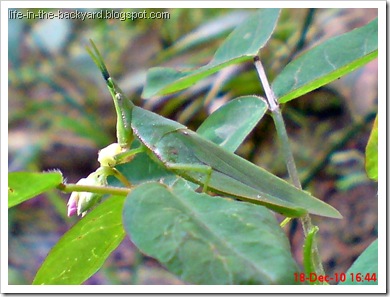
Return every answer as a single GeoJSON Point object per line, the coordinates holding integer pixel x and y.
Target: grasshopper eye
{"type": "Point", "coordinates": [118, 96]}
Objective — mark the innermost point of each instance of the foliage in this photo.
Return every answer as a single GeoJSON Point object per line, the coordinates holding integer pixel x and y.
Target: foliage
{"type": "Point", "coordinates": [203, 239]}
{"type": "Point", "coordinates": [23, 186]}
{"type": "Point", "coordinates": [372, 152]}
{"type": "Point", "coordinates": [208, 240]}
{"type": "Point", "coordinates": [365, 268]}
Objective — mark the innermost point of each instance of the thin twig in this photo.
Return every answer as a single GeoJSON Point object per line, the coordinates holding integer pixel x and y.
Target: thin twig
{"type": "Point", "coordinates": [68, 188]}
{"type": "Point", "coordinates": [288, 156]}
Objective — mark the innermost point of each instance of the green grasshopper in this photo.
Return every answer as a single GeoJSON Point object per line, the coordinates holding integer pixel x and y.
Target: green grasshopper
{"type": "Point", "coordinates": [201, 161]}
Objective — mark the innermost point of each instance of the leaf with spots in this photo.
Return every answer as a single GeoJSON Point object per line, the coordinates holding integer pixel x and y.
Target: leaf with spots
{"type": "Point", "coordinates": [240, 46]}
{"type": "Point", "coordinates": [85, 247]}
{"type": "Point", "coordinates": [327, 62]}
{"type": "Point", "coordinates": [23, 186]}
{"type": "Point", "coordinates": [208, 240]}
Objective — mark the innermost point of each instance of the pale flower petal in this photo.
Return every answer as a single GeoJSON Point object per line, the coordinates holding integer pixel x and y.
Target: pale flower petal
{"type": "Point", "coordinates": [72, 204]}
{"type": "Point", "coordinates": [79, 202]}
{"type": "Point", "coordinates": [107, 154]}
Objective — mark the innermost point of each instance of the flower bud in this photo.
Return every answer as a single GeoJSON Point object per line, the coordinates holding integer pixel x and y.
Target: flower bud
{"type": "Point", "coordinates": [107, 155]}
{"type": "Point", "coordinates": [80, 202]}
{"type": "Point", "coordinates": [72, 203]}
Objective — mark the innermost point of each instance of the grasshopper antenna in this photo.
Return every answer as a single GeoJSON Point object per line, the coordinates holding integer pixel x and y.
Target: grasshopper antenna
{"type": "Point", "coordinates": [98, 60]}
{"type": "Point", "coordinates": [123, 105]}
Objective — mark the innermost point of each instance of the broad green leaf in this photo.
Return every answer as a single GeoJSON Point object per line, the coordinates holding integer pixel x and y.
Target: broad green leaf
{"type": "Point", "coordinates": [241, 45]}
{"type": "Point", "coordinates": [366, 265]}
{"type": "Point", "coordinates": [23, 186]}
{"type": "Point", "coordinates": [372, 152]}
{"type": "Point", "coordinates": [85, 247]}
{"type": "Point", "coordinates": [229, 125]}
{"type": "Point", "coordinates": [208, 240]}
{"type": "Point", "coordinates": [327, 62]}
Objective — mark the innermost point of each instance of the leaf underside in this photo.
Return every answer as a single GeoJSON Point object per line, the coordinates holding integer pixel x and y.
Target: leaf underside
{"type": "Point", "coordinates": [208, 240]}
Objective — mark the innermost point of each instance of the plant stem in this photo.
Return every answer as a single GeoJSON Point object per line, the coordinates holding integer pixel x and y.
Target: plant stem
{"type": "Point", "coordinates": [286, 149]}
{"type": "Point", "coordinates": [121, 178]}
{"type": "Point", "coordinates": [289, 158]}
{"type": "Point", "coordinates": [68, 188]}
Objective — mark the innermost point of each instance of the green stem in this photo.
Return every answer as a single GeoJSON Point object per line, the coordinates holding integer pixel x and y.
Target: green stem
{"type": "Point", "coordinates": [68, 188]}
{"type": "Point", "coordinates": [106, 171]}
{"type": "Point", "coordinates": [286, 149]}
{"type": "Point", "coordinates": [128, 155]}
{"type": "Point", "coordinates": [289, 158]}
{"type": "Point", "coordinates": [285, 222]}
{"type": "Point", "coordinates": [121, 178]}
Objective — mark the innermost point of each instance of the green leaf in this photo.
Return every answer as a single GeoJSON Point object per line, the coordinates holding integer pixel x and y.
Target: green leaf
{"type": "Point", "coordinates": [241, 45]}
{"type": "Point", "coordinates": [327, 62]}
{"type": "Point", "coordinates": [85, 247]}
{"type": "Point", "coordinates": [143, 168]}
{"type": "Point", "coordinates": [372, 152]}
{"type": "Point", "coordinates": [207, 32]}
{"type": "Point", "coordinates": [208, 240]}
{"type": "Point", "coordinates": [365, 265]}
{"type": "Point", "coordinates": [23, 186]}
{"type": "Point", "coordinates": [229, 125]}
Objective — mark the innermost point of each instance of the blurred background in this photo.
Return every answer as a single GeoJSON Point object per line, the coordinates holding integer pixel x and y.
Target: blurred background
{"type": "Point", "coordinates": [61, 114]}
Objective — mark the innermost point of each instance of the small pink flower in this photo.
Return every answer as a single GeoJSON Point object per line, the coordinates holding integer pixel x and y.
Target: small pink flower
{"type": "Point", "coordinates": [72, 204]}
{"type": "Point", "coordinates": [80, 202]}
{"type": "Point", "coordinates": [74, 199]}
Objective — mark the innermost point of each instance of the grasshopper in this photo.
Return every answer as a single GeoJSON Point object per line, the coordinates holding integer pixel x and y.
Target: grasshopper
{"type": "Point", "coordinates": [196, 159]}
